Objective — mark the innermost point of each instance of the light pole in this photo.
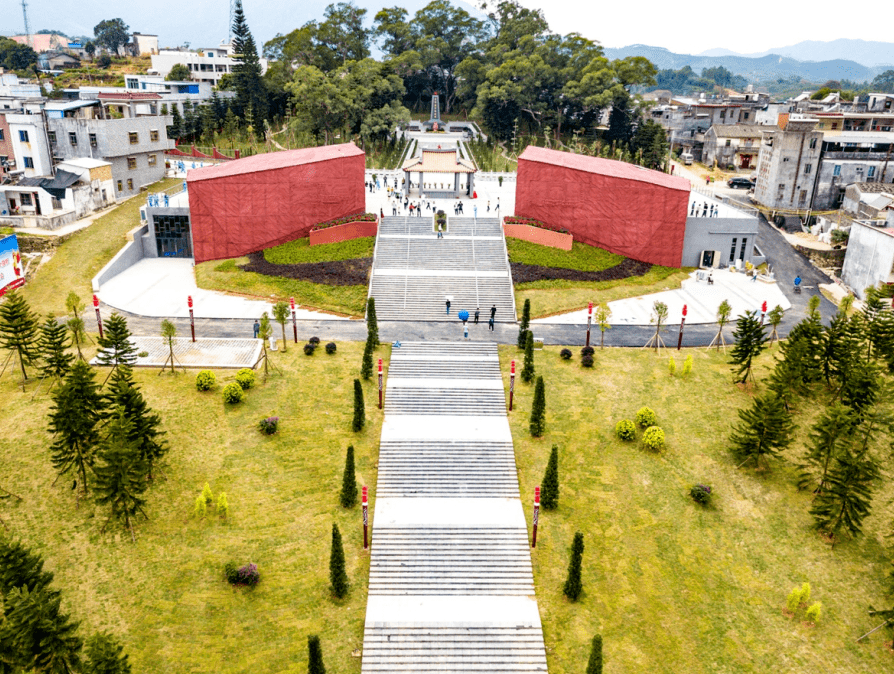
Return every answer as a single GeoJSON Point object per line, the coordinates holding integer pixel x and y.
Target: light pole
{"type": "Point", "coordinates": [536, 515]}
{"type": "Point", "coordinates": [589, 321]}
{"type": "Point", "coordinates": [294, 320]}
{"type": "Point", "coordinates": [192, 321]}
{"type": "Point", "coordinates": [682, 322]}
{"type": "Point", "coordinates": [98, 317]}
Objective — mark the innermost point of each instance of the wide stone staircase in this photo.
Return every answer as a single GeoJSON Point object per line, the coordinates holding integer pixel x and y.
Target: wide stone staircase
{"type": "Point", "coordinates": [414, 271]}
{"type": "Point", "coordinates": [451, 586]}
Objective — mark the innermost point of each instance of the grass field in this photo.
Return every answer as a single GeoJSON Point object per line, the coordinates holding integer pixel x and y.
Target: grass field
{"type": "Point", "coordinates": [300, 251]}
{"type": "Point", "coordinates": [581, 256]}
{"type": "Point", "coordinates": [166, 596]}
{"type": "Point", "coordinates": [674, 587]}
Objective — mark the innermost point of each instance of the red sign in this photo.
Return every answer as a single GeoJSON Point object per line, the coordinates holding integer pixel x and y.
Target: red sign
{"type": "Point", "coordinates": [684, 311]}
{"type": "Point", "coordinates": [590, 309]}
{"type": "Point", "coordinates": [292, 302]}
{"type": "Point", "coordinates": [189, 300]}
{"type": "Point", "coordinates": [764, 306]}
{"type": "Point", "coordinates": [95, 301]}
{"type": "Point", "coordinates": [513, 367]}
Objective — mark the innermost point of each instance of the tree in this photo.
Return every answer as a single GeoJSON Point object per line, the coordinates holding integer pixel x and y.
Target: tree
{"type": "Point", "coordinates": [658, 317]}
{"type": "Point", "coordinates": [121, 475]}
{"type": "Point", "coordinates": [248, 83]}
{"type": "Point", "coordinates": [179, 73]}
{"type": "Point", "coordinates": [774, 318]}
{"type": "Point", "coordinates": [523, 326]}
{"type": "Point", "coordinates": [750, 341]}
{"type": "Point", "coordinates": [19, 333]}
{"type": "Point", "coordinates": [15, 56]}
{"type": "Point", "coordinates": [845, 501]}
{"type": "Point", "coordinates": [75, 323]}
{"type": "Point", "coordinates": [104, 61]}
{"type": "Point", "coordinates": [338, 577]}
{"type": "Point", "coordinates": [359, 410]}
{"type": "Point", "coordinates": [538, 410]}
{"type": "Point", "coordinates": [19, 567]}
{"type": "Point", "coordinates": [314, 656]}
{"type": "Point", "coordinates": [764, 430]}
{"type": "Point", "coordinates": [54, 346]}
{"type": "Point", "coordinates": [281, 315]}
{"type": "Point", "coordinates": [116, 346]}
{"type": "Point", "coordinates": [527, 373]}
{"type": "Point", "coordinates": [145, 430]}
{"type": "Point", "coordinates": [175, 130]}
{"type": "Point", "coordinates": [111, 34]}
{"type": "Point", "coordinates": [90, 48]}
{"type": "Point", "coordinates": [549, 488]}
{"type": "Point", "coordinates": [603, 315]}
{"type": "Point", "coordinates": [169, 334]}
{"type": "Point", "coordinates": [594, 665]}
{"type": "Point", "coordinates": [366, 367]}
{"type": "Point", "coordinates": [372, 322]}
{"type": "Point", "coordinates": [35, 635]}
{"type": "Point", "coordinates": [884, 82]}
{"type": "Point", "coordinates": [342, 37]}
{"type": "Point", "coordinates": [723, 313]}
{"type": "Point", "coordinates": [348, 496]}
{"type": "Point", "coordinates": [573, 583]}
{"type": "Point", "coordinates": [105, 656]}
{"type": "Point", "coordinates": [830, 437]}
{"type": "Point", "coordinates": [264, 333]}
{"type": "Point", "coordinates": [73, 420]}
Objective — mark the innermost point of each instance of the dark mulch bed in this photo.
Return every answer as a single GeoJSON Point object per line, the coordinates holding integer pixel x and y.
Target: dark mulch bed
{"type": "Point", "coordinates": [339, 273]}
{"type": "Point", "coordinates": [526, 273]}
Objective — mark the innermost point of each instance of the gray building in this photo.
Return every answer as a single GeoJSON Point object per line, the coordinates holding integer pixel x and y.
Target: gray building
{"type": "Point", "coordinates": [735, 145]}
{"type": "Point", "coordinates": [788, 163]}
{"type": "Point", "coordinates": [853, 157]}
{"type": "Point", "coordinates": [722, 240]}
{"type": "Point", "coordinates": [870, 255]}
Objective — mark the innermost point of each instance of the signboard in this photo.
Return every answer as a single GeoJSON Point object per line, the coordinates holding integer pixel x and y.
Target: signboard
{"type": "Point", "coordinates": [11, 274]}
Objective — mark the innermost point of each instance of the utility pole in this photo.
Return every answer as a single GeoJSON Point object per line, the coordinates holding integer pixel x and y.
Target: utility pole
{"type": "Point", "coordinates": [28, 38]}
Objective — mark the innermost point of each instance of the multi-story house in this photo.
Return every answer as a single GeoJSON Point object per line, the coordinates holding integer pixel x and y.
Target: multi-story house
{"type": "Point", "coordinates": [7, 156]}
{"type": "Point", "coordinates": [204, 65]}
{"type": "Point", "coordinates": [788, 163]}
{"type": "Point", "coordinates": [174, 93]}
{"type": "Point", "coordinates": [736, 145]}
{"type": "Point", "coordinates": [30, 143]}
{"type": "Point", "coordinates": [852, 157]}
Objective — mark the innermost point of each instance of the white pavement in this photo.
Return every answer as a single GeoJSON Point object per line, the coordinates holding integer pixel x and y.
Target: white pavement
{"type": "Point", "coordinates": [212, 352]}
{"type": "Point", "coordinates": [451, 587]}
{"type": "Point", "coordinates": [159, 287]}
{"type": "Point", "coordinates": [701, 301]}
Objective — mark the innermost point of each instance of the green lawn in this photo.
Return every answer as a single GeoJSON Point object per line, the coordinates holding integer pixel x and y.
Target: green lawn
{"type": "Point", "coordinates": [581, 256]}
{"type": "Point", "coordinates": [674, 587]}
{"type": "Point", "coordinates": [300, 251]}
{"type": "Point", "coordinates": [166, 596]}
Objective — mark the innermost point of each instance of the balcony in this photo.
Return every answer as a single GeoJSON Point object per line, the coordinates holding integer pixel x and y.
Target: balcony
{"type": "Point", "coordinates": [860, 156]}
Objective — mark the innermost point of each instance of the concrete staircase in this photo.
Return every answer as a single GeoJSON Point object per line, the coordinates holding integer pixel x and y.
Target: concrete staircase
{"type": "Point", "coordinates": [451, 586]}
{"type": "Point", "coordinates": [414, 271]}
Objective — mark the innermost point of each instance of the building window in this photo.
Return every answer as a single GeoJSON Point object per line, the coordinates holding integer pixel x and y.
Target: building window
{"type": "Point", "coordinates": [131, 163]}
{"type": "Point", "coordinates": [50, 134]}
{"type": "Point", "coordinates": [23, 136]}
{"type": "Point", "coordinates": [26, 199]}
{"type": "Point", "coordinates": [728, 142]}
{"type": "Point", "coordinates": [834, 125]}
{"type": "Point", "coordinates": [120, 187]}
{"type": "Point", "coordinates": [781, 188]}
{"type": "Point", "coordinates": [73, 138]}
{"type": "Point", "coordinates": [742, 249]}
{"type": "Point", "coordinates": [732, 251]}
{"type": "Point", "coordinates": [153, 135]}
{"type": "Point", "coordinates": [134, 137]}
{"type": "Point", "coordinates": [808, 168]}
{"type": "Point", "coordinates": [812, 144]}
{"type": "Point", "coordinates": [837, 170]}
{"type": "Point", "coordinates": [29, 163]}
{"type": "Point", "coordinates": [723, 114]}
{"type": "Point", "coordinates": [92, 140]}
{"type": "Point", "coordinates": [745, 116]}
{"type": "Point", "coordinates": [802, 197]}
{"type": "Point", "coordinates": [871, 172]}
{"type": "Point", "coordinates": [1, 135]}
{"type": "Point", "coordinates": [152, 159]}
{"type": "Point", "coordinates": [130, 184]}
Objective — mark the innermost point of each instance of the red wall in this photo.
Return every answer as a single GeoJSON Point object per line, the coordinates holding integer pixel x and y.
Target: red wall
{"type": "Point", "coordinates": [634, 218]}
{"type": "Point", "coordinates": [346, 232]}
{"type": "Point", "coordinates": [544, 237]}
{"type": "Point", "coordinates": [241, 213]}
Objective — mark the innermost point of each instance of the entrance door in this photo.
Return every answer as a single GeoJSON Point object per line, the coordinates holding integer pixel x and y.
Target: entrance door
{"type": "Point", "coordinates": [746, 161]}
{"type": "Point", "coordinates": [707, 258]}
{"type": "Point", "coordinates": [36, 203]}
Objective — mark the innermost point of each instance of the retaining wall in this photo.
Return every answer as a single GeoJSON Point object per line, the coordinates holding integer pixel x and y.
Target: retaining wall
{"type": "Point", "coordinates": [126, 257]}
{"type": "Point", "coordinates": [345, 232]}
{"type": "Point", "coordinates": [545, 237]}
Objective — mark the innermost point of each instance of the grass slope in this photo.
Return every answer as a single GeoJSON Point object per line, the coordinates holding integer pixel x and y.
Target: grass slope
{"type": "Point", "coordinates": [300, 251]}
{"type": "Point", "coordinates": [166, 596]}
{"type": "Point", "coordinates": [581, 256]}
{"type": "Point", "coordinates": [671, 586]}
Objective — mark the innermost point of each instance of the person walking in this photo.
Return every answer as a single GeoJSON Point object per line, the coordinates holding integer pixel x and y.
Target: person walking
{"type": "Point", "coordinates": [448, 306]}
{"type": "Point", "coordinates": [257, 328]}
{"type": "Point", "coordinates": [490, 324]}
{"type": "Point", "coordinates": [488, 206]}
{"type": "Point", "coordinates": [477, 311]}
{"type": "Point", "coordinates": [475, 210]}
{"type": "Point", "coordinates": [493, 312]}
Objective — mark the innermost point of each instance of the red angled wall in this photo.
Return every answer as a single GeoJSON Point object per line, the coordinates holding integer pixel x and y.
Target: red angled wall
{"type": "Point", "coordinates": [249, 204]}
{"type": "Point", "coordinates": [622, 208]}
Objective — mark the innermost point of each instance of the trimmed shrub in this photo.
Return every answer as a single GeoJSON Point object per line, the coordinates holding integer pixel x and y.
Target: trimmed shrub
{"type": "Point", "coordinates": [587, 351]}
{"type": "Point", "coordinates": [338, 577]}
{"type": "Point", "coordinates": [812, 614]}
{"type": "Point", "coordinates": [314, 656]}
{"type": "Point", "coordinates": [200, 508]}
{"type": "Point", "coordinates": [687, 366]}
{"type": "Point", "coordinates": [269, 426]}
{"type": "Point", "coordinates": [671, 366]}
{"type": "Point", "coordinates": [233, 393]}
{"type": "Point", "coordinates": [625, 430]}
{"type": "Point", "coordinates": [527, 373]}
{"type": "Point", "coordinates": [205, 380]}
{"type": "Point", "coordinates": [309, 349]}
{"type": "Point", "coordinates": [538, 410]}
{"type": "Point", "coordinates": [359, 408]}
{"type": "Point", "coordinates": [793, 602]}
{"type": "Point", "coordinates": [348, 496]}
{"type": "Point", "coordinates": [565, 354]}
{"type": "Point", "coordinates": [573, 583]}
{"type": "Point", "coordinates": [653, 438]}
{"type": "Point", "coordinates": [207, 494]}
{"type": "Point", "coordinates": [330, 348]}
{"type": "Point", "coordinates": [594, 665]}
{"type": "Point", "coordinates": [223, 508]}
{"type": "Point", "coordinates": [245, 575]}
{"type": "Point", "coordinates": [314, 340]}
{"type": "Point", "coordinates": [645, 417]}
{"type": "Point", "coordinates": [804, 595]}
{"type": "Point", "coordinates": [587, 361]}
{"type": "Point", "coordinates": [245, 378]}
{"type": "Point", "coordinates": [549, 490]}
{"type": "Point", "coordinates": [701, 493]}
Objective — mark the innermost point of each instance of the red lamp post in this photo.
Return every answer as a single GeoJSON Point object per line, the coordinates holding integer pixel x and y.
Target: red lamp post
{"type": "Point", "coordinates": [380, 383]}
{"type": "Point", "coordinates": [763, 311]}
{"type": "Point", "coordinates": [365, 519]}
{"type": "Point", "coordinates": [511, 384]}
{"type": "Point", "coordinates": [682, 322]}
{"type": "Point", "coordinates": [192, 321]}
{"type": "Point", "coordinates": [589, 321]}
{"type": "Point", "coordinates": [536, 515]}
{"type": "Point", "coordinates": [98, 317]}
{"type": "Point", "coordinates": [294, 320]}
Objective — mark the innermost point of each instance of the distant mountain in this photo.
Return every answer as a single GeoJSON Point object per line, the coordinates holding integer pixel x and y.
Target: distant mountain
{"type": "Point", "coordinates": [765, 68]}
{"type": "Point", "coordinates": [864, 52]}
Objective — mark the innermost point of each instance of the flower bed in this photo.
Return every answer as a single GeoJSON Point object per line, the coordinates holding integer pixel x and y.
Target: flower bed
{"type": "Point", "coordinates": [337, 273]}
{"type": "Point", "coordinates": [527, 273]}
{"type": "Point", "coordinates": [344, 229]}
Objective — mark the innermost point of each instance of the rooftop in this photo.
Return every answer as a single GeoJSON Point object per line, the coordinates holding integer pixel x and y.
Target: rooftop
{"type": "Point", "coordinates": [274, 160]}
{"type": "Point", "coordinates": [84, 162]}
{"type": "Point", "coordinates": [439, 161]}
{"type": "Point", "coordinates": [741, 130]}
{"type": "Point", "coordinates": [129, 96]}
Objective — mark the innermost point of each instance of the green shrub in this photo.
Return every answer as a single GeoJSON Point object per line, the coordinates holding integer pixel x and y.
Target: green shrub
{"type": "Point", "coordinates": [309, 349]}
{"type": "Point", "coordinates": [587, 361]}
{"type": "Point", "coordinates": [269, 426]}
{"type": "Point", "coordinates": [653, 438]}
{"type": "Point", "coordinates": [245, 378]}
{"type": "Point", "coordinates": [625, 430]}
{"type": "Point", "coordinates": [233, 393]}
{"type": "Point", "coordinates": [207, 494]}
{"type": "Point", "coordinates": [205, 380]}
{"type": "Point", "coordinates": [701, 493]}
{"type": "Point", "coordinates": [330, 348]}
{"type": "Point", "coordinates": [314, 340]}
{"type": "Point", "coordinates": [671, 366]}
{"type": "Point", "coordinates": [812, 614]}
{"type": "Point", "coordinates": [687, 366]}
{"type": "Point", "coordinates": [587, 351]}
{"type": "Point", "coordinates": [200, 508]}
{"type": "Point", "coordinates": [300, 251]}
{"type": "Point", "coordinates": [645, 417]}
{"type": "Point", "coordinates": [223, 508]}
{"type": "Point", "coordinates": [793, 602]}
{"type": "Point", "coordinates": [245, 575]}
{"type": "Point", "coordinates": [565, 354]}
{"type": "Point", "coordinates": [804, 596]}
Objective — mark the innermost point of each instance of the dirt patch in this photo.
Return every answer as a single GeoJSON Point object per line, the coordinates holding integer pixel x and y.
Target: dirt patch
{"type": "Point", "coordinates": [338, 273]}
{"type": "Point", "coordinates": [526, 273]}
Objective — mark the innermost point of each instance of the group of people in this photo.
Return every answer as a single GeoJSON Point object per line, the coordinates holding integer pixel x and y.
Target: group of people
{"type": "Point", "coordinates": [493, 314]}
{"type": "Point", "coordinates": [707, 211]}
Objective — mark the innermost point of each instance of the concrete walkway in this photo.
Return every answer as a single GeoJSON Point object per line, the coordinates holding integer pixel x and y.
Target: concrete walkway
{"type": "Point", "coordinates": [451, 587]}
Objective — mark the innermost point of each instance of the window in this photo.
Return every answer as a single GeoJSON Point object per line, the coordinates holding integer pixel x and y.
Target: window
{"type": "Point", "coordinates": [812, 144]}
{"type": "Point", "coordinates": [130, 184]}
{"type": "Point", "coordinates": [29, 163]}
{"type": "Point", "coordinates": [837, 170]}
{"type": "Point", "coordinates": [23, 136]}
{"type": "Point", "coordinates": [745, 116]}
{"type": "Point", "coordinates": [57, 205]}
{"type": "Point", "coordinates": [92, 140]}
{"type": "Point", "coordinates": [808, 168]}
{"type": "Point", "coordinates": [50, 134]}
{"type": "Point", "coordinates": [1, 134]}
{"type": "Point", "coordinates": [728, 142]}
{"type": "Point", "coordinates": [153, 135]}
{"type": "Point", "coordinates": [119, 186]}
{"type": "Point", "coordinates": [134, 137]}
{"type": "Point", "coordinates": [723, 114]}
{"type": "Point", "coordinates": [732, 251]}
{"type": "Point", "coordinates": [834, 125]}
{"type": "Point", "coordinates": [131, 163]}
{"type": "Point", "coordinates": [152, 159]}
{"type": "Point", "coordinates": [26, 199]}
{"type": "Point", "coordinates": [72, 138]}
{"type": "Point", "coordinates": [742, 249]}
{"type": "Point", "coordinates": [871, 172]}
{"type": "Point", "coordinates": [802, 197]}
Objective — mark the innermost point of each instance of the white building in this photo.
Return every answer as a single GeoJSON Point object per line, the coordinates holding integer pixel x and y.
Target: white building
{"type": "Point", "coordinates": [204, 65]}
{"type": "Point", "coordinates": [30, 145]}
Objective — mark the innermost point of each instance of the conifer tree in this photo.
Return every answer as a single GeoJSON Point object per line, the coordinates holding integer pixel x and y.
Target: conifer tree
{"type": "Point", "coordinates": [523, 325]}
{"type": "Point", "coordinates": [573, 583]}
{"type": "Point", "coordinates": [549, 488]}
{"type": "Point", "coordinates": [121, 473]}
{"type": "Point", "coordinates": [105, 656]}
{"type": "Point", "coordinates": [338, 577]}
{"type": "Point", "coordinates": [750, 341]}
{"type": "Point", "coordinates": [249, 85]}
{"type": "Point", "coordinates": [764, 431]}
{"type": "Point", "coordinates": [838, 348]}
{"type": "Point", "coordinates": [175, 130]}
{"type": "Point", "coordinates": [861, 386]}
{"type": "Point", "coordinates": [594, 665]}
{"type": "Point", "coordinates": [846, 499]}
{"type": "Point", "coordinates": [314, 656]}
{"type": "Point", "coordinates": [73, 420]}
{"type": "Point", "coordinates": [19, 332]}
{"type": "Point", "coordinates": [20, 567]}
{"type": "Point", "coordinates": [527, 373]}
{"type": "Point", "coordinates": [830, 437]}
{"type": "Point", "coordinates": [366, 367]}
{"type": "Point", "coordinates": [116, 346]}
{"type": "Point", "coordinates": [359, 408]}
{"type": "Point", "coordinates": [145, 424]}
{"type": "Point", "coordinates": [348, 497]}
{"type": "Point", "coordinates": [35, 636]}
{"type": "Point", "coordinates": [538, 410]}
{"type": "Point", "coordinates": [54, 346]}
{"type": "Point", "coordinates": [372, 322]}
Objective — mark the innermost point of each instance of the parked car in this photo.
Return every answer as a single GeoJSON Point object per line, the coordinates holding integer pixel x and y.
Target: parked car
{"type": "Point", "coordinates": [686, 158]}
{"type": "Point", "coordinates": [736, 183]}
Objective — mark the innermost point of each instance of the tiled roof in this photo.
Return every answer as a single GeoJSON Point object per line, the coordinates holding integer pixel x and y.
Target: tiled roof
{"type": "Point", "coordinates": [439, 161]}
{"type": "Point", "coordinates": [274, 160]}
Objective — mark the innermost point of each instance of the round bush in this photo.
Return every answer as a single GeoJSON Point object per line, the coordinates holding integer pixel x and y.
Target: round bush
{"type": "Point", "coordinates": [233, 393]}
{"type": "Point", "coordinates": [330, 348]}
{"type": "Point", "coordinates": [653, 438]}
{"type": "Point", "coordinates": [245, 378]}
{"type": "Point", "coordinates": [245, 575]}
{"type": "Point", "coordinates": [565, 354]}
{"type": "Point", "coordinates": [586, 361]}
{"type": "Point", "coordinates": [701, 493]}
{"type": "Point", "coordinates": [587, 351]}
{"type": "Point", "coordinates": [314, 340]}
{"type": "Point", "coordinates": [625, 430]}
{"type": "Point", "coordinates": [309, 349]}
{"type": "Point", "coordinates": [205, 380]}
{"type": "Point", "coordinates": [645, 417]}
{"type": "Point", "coordinates": [269, 426]}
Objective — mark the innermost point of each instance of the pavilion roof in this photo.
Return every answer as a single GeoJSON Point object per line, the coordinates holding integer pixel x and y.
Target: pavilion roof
{"type": "Point", "coordinates": [439, 161]}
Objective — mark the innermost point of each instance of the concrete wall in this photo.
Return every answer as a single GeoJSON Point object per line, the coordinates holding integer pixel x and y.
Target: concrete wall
{"type": "Point", "coordinates": [784, 157]}
{"type": "Point", "coordinates": [869, 259]}
{"type": "Point", "coordinates": [718, 234]}
{"type": "Point", "coordinates": [35, 148]}
{"type": "Point", "coordinates": [830, 188]}
{"type": "Point", "coordinates": [150, 245]}
{"type": "Point", "coordinates": [126, 257]}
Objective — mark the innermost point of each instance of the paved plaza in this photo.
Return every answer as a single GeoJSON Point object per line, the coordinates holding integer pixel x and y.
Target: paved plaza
{"type": "Point", "coordinates": [203, 353]}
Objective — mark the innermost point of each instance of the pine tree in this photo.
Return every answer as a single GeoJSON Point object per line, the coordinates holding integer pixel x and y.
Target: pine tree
{"type": "Point", "coordinates": [249, 85]}
{"type": "Point", "coordinates": [54, 346]}
{"type": "Point", "coordinates": [527, 373]}
{"type": "Point", "coordinates": [839, 348]}
{"type": "Point", "coordinates": [314, 656]}
{"type": "Point", "coordinates": [549, 488]}
{"type": "Point", "coordinates": [574, 584]}
{"type": "Point", "coordinates": [846, 499]}
{"type": "Point", "coordinates": [359, 408]}
{"type": "Point", "coordinates": [372, 322]}
{"type": "Point", "coordinates": [175, 130]}
{"type": "Point", "coordinates": [830, 437]}
{"type": "Point", "coordinates": [594, 666]}
{"type": "Point", "coordinates": [523, 325]}
{"type": "Point", "coordinates": [145, 424]}
{"type": "Point", "coordinates": [116, 345]}
{"type": "Point", "coordinates": [19, 332]}
{"type": "Point", "coordinates": [750, 341]}
{"type": "Point", "coordinates": [338, 577]}
{"type": "Point", "coordinates": [366, 367]}
{"type": "Point", "coordinates": [121, 474]}
{"type": "Point", "coordinates": [106, 656]}
{"type": "Point", "coordinates": [861, 386]}
{"type": "Point", "coordinates": [74, 416]}
{"type": "Point", "coordinates": [35, 635]}
{"type": "Point", "coordinates": [20, 567]}
{"type": "Point", "coordinates": [348, 497]}
{"type": "Point", "coordinates": [538, 410]}
{"type": "Point", "coordinates": [764, 431]}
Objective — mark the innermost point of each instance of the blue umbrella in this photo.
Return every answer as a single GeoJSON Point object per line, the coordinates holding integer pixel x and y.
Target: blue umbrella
{"type": "Point", "coordinates": [463, 315]}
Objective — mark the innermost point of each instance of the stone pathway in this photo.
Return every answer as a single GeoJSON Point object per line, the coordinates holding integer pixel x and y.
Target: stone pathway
{"type": "Point", "coordinates": [451, 587]}
{"type": "Point", "coordinates": [223, 353]}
